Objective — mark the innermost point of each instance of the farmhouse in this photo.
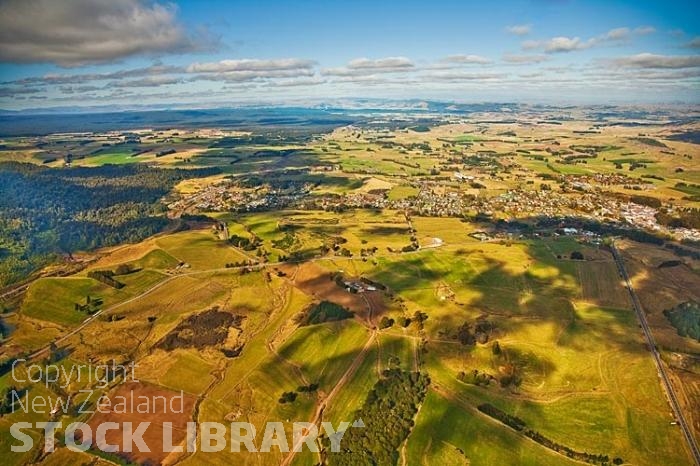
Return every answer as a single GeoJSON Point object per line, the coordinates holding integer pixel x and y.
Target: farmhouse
{"type": "Point", "coordinates": [462, 177]}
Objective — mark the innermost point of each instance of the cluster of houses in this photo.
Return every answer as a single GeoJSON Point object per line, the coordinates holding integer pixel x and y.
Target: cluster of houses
{"type": "Point", "coordinates": [587, 199]}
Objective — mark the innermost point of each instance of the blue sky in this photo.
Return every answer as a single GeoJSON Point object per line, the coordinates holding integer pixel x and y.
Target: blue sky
{"type": "Point", "coordinates": [134, 52]}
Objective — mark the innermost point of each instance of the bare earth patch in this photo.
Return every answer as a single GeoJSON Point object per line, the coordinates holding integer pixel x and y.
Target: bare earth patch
{"type": "Point", "coordinates": [163, 406]}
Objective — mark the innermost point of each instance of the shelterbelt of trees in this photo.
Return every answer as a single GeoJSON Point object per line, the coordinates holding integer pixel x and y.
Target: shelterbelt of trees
{"type": "Point", "coordinates": [48, 211]}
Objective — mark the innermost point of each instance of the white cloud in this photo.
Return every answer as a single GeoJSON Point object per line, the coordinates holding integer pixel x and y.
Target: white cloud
{"type": "Point", "coordinates": [562, 44]}
{"type": "Point", "coordinates": [380, 64]}
{"type": "Point", "coordinates": [364, 79]}
{"type": "Point", "coordinates": [251, 65]}
{"type": "Point", "coordinates": [57, 78]}
{"type": "Point", "coordinates": [520, 29]}
{"type": "Point", "coordinates": [236, 71]}
{"type": "Point", "coordinates": [649, 60]}
{"type": "Point", "coordinates": [617, 34]}
{"type": "Point", "coordinates": [79, 32]}
{"type": "Point", "coordinates": [467, 60]}
{"type": "Point", "coordinates": [150, 81]}
{"type": "Point", "coordinates": [524, 59]}
{"type": "Point", "coordinates": [297, 82]}
{"type": "Point", "coordinates": [644, 30]}
{"type": "Point", "coordinates": [252, 75]}
{"type": "Point", "coordinates": [366, 66]}
{"type": "Point", "coordinates": [565, 44]}
{"type": "Point", "coordinates": [457, 76]}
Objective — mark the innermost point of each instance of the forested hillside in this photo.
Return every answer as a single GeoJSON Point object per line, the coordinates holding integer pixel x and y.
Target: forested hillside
{"type": "Point", "coordinates": [47, 211]}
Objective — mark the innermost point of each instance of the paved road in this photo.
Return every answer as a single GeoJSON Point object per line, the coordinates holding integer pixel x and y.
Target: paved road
{"type": "Point", "coordinates": [673, 400]}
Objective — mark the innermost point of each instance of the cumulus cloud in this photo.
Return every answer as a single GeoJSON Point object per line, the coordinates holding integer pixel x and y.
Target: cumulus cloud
{"type": "Point", "coordinates": [58, 78]}
{"type": "Point", "coordinates": [632, 74]}
{"type": "Point", "coordinates": [537, 74]}
{"type": "Point", "coordinates": [363, 79]}
{"type": "Point", "coordinates": [524, 59]}
{"type": "Point", "coordinates": [617, 34]}
{"type": "Point", "coordinates": [252, 75]}
{"type": "Point", "coordinates": [559, 44]}
{"type": "Point", "coordinates": [458, 76]}
{"type": "Point", "coordinates": [78, 32]}
{"type": "Point", "coordinates": [466, 60]}
{"type": "Point", "coordinates": [694, 43]}
{"type": "Point", "coordinates": [389, 63]}
{"type": "Point", "coordinates": [366, 66]}
{"type": "Point", "coordinates": [297, 82]}
{"type": "Point", "coordinates": [519, 29]}
{"type": "Point", "coordinates": [251, 65]}
{"type": "Point", "coordinates": [650, 60]}
{"type": "Point", "coordinates": [563, 44]}
{"type": "Point", "coordinates": [245, 70]}
{"type": "Point", "coordinates": [150, 81]}
{"type": "Point", "coordinates": [158, 74]}
{"type": "Point", "coordinates": [644, 30]}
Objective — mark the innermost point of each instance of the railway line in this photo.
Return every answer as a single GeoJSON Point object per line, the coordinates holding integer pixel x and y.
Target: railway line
{"type": "Point", "coordinates": [665, 381]}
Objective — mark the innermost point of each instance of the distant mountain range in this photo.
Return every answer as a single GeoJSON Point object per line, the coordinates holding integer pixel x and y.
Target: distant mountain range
{"type": "Point", "coordinates": [327, 114]}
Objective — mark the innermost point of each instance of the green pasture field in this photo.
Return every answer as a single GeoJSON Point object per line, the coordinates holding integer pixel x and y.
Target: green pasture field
{"type": "Point", "coordinates": [353, 395]}
{"type": "Point", "coordinates": [253, 383]}
{"type": "Point", "coordinates": [156, 259]}
{"type": "Point", "coordinates": [402, 192]}
{"type": "Point", "coordinates": [54, 299]}
{"type": "Point", "coordinates": [397, 346]}
{"type": "Point", "coordinates": [181, 369]}
{"type": "Point", "coordinates": [201, 249]}
{"type": "Point", "coordinates": [445, 433]}
{"type": "Point", "coordinates": [582, 369]}
{"type": "Point", "coordinates": [114, 158]}
{"type": "Point", "coordinates": [323, 352]}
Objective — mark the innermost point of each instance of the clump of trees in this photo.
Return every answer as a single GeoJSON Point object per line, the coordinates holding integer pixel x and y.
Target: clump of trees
{"type": "Point", "coordinates": [90, 306]}
{"type": "Point", "coordinates": [247, 244]}
{"type": "Point", "coordinates": [683, 218]}
{"type": "Point", "coordinates": [386, 322]}
{"type": "Point", "coordinates": [470, 334]}
{"type": "Point", "coordinates": [387, 414]}
{"type": "Point", "coordinates": [410, 247]}
{"type": "Point", "coordinates": [8, 397]}
{"type": "Point", "coordinates": [325, 311]}
{"type": "Point", "coordinates": [686, 319]}
{"type": "Point", "coordinates": [509, 373]}
{"type": "Point", "coordinates": [288, 397]}
{"type": "Point", "coordinates": [576, 256]}
{"type": "Point", "coordinates": [475, 377]}
{"type": "Point", "coordinates": [404, 321]}
{"type": "Point", "coordinates": [243, 263]}
{"type": "Point", "coordinates": [419, 317]}
{"type": "Point", "coordinates": [312, 387]}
